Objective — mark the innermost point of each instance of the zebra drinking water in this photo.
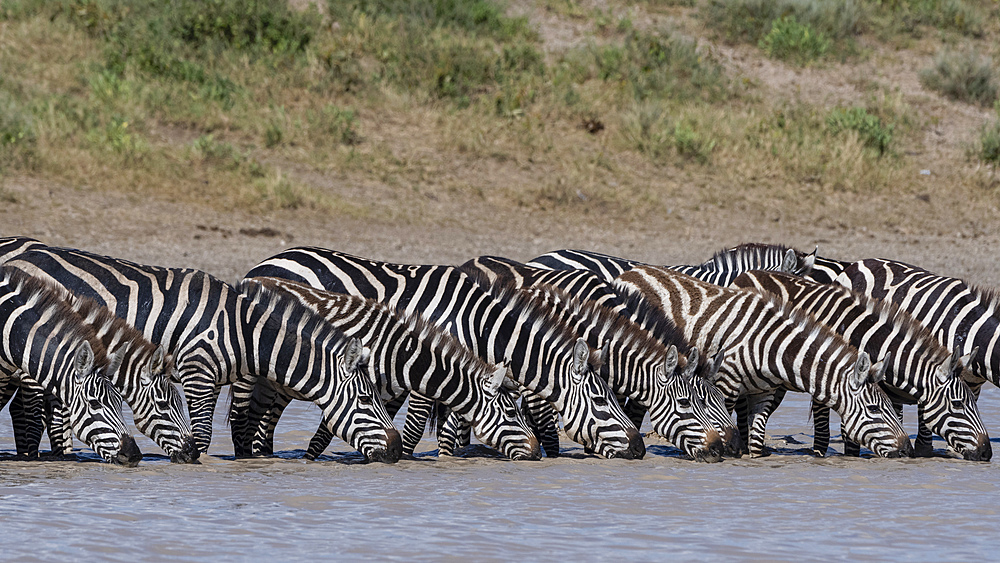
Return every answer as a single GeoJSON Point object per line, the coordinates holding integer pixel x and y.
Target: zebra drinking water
{"type": "Point", "coordinates": [219, 336]}
{"type": "Point", "coordinates": [57, 352]}
{"type": "Point", "coordinates": [410, 353]}
{"type": "Point", "coordinates": [919, 369]}
{"type": "Point", "coordinates": [543, 353]}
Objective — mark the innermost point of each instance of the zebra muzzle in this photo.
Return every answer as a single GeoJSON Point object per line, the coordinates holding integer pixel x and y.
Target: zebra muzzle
{"type": "Point", "coordinates": [983, 452]}
{"type": "Point", "coordinates": [393, 448]}
{"type": "Point", "coordinates": [636, 447]}
{"type": "Point", "coordinates": [129, 454]}
{"type": "Point", "coordinates": [534, 451]}
{"type": "Point", "coordinates": [188, 453]}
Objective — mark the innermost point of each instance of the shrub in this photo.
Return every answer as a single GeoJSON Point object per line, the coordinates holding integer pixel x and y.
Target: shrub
{"type": "Point", "coordinates": [750, 21]}
{"type": "Point", "coordinates": [791, 40]}
{"type": "Point", "coordinates": [336, 124]}
{"type": "Point", "coordinates": [17, 133]}
{"type": "Point", "coordinates": [482, 17]}
{"type": "Point", "coordinates": [871, 130]}
{"type": "Point", "coordinates": [964, 76]}
{"type": "Point", "coordinates": [989, 143]}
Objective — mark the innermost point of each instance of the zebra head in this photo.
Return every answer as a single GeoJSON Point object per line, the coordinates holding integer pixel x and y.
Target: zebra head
{"type": "Point", "coordinates": [867, 414]}
{"type": "Point", "coordinates": [359, 417]}
{"type": "Point", "coordinates": [678, 414]}
{"type": "Point", "coordinates": [96, 410]}
{"type": "Point", "coordinates": [949, 409]}
{"type": "Point", "coordinates": [165, 416]}
{"type": "Point", "coordinates": [714, 403]}
{"type": "Point", "coordinates": [498, 422]}
{"type": "Point", "coordinates": [592, 415]}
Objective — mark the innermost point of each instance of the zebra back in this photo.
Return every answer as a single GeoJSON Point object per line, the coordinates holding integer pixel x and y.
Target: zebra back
{"type": "Point", "coordinates": [826, 270]}
{"type": "Point", "coordinates": [604, 265]}
{"type": "Point", "coordinates": [920, 370]}
{"type": "Point", "coordinates": [729, 263]}
{"type": "Point", "coordinates": [56, 350]}
{"type": "Point", "coordinates": [770, 345]}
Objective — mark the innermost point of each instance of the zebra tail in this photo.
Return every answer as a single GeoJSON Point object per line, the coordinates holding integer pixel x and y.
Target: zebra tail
{"type": "Point", "coordinates": [439, 413]}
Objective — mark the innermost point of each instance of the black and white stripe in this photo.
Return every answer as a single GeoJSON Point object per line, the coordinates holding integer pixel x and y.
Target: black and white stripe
{"type": "Point", "coordinates": [218, 336]}
{"type": "Point", "coordinates": [543, 353]}
{"type": "Point", "coordinates": [55, 350]}
{"type": "Point", "coordinates": [409, 353]}
{"type": "Point", "coordinates": [727, 264]}
{"type": "Point", "coordinates": [919, 369]}
{"type": "Point", "coordinates": [963, 317]}
{"type": "Point", "coordinates": [771, 347]}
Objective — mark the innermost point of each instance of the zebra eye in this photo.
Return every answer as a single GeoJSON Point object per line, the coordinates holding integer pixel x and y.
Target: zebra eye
{"type": "Point", "coordinates": [957, 405]}
{"type": "Point", "coordinates": [600, 401]}
{"type": "Point", "coordinates": [684, 402]}
{"type": "Point", "coordinates": [875, 411]}
{"type": "Point", "coordinates": [365, 400]}
{"type": "Point", "coordinates": [95, 405]}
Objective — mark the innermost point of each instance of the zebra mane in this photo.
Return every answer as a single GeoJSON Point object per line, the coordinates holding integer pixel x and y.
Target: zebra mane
{"type": "Point", "coordinates": [618, 328]}
{"type": "Point", "coordinates": [44, 296]}
{"type": "Point", "coordinates": [315, 327]}
{"type": "Point", "coordinates": [990, 295]}
{"type": "Point", "coordinates": [104, 321]}
{"type": "Point", "coordinates": [653, 319]}
{"type": "Point", "coordinates": [751, 252]}
{"type": "Point", "coordinates": [533, 307]}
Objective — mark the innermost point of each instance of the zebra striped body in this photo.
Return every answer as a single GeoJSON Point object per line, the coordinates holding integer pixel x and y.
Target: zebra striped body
{"type": "Point", "coordinates": [543, 354]}
{"type": "Point", "coordinates": [57, 351]}
{"type": "Point", "coordinates": [920, 370]}
{"type": "Point", "coordinates": [769, 346]}
{"type": "Point", "coordinates": [726, 264]}
{"type": "Point", "coordinates": [411, 354]}
{"type": "Point", "coordinates": [964, 318]}
{"type": "Point", "coordinates": [597, 313]}
{"type": "Point", "coordinates": [606, 267]}
{"type": "Point", "coordinates": [826, 270]}
{"type": "Point", "coordinates": [218, 336]}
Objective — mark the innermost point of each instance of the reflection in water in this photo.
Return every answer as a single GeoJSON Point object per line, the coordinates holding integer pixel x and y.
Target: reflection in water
{"type": "Point", "coordinates": [781, 507]}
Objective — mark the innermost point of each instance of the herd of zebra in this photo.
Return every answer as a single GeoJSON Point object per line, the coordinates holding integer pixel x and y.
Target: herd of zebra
{"type": "Point", "coordinates": [496, 347]}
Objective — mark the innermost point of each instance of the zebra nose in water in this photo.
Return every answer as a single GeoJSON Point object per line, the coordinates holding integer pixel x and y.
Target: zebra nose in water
{"type": "Point", "coordinates": [129, 454]}
{"type": "Point", "coordinates": [982, 452]}
{"type": "Point", "coordinates": [188, 453]}
{"type": "Point", "coordinates": [714, 446]}
{"type": "Point", "coordinates": [733, 444]}
{"type": "Point", "coordinates": [534, 451]}
{"type": "Point", "coordinates": [636, 447]}
{"type": "Point", "coordinates": [393, 447]}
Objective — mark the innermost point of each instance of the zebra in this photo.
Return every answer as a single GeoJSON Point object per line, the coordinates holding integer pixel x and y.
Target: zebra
{"type": "Point", "coordinates": [219, 336]}
{"type": "Point", "coordinates": [599, 314]}
{"type": "Point", "coordinates": [726, 264]}
{"type": "Point", "coordinates": [964, 318]}
{"type": "Point", "coordinates": [543, 353]}
{"type": "Point", "coordinates": [771, 347]}
{"type": "Point", "coordinates": [56, 351]}
{"type": "Point", "coordinates": [920, 370]}
{"type": "Point", "coordinates": [410, 353]}
{"type": "Point", "coordinates": [143, 379]}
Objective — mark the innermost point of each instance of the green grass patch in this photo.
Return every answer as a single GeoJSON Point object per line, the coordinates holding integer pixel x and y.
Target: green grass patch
{"type": "Point", "coordinates": [870, 128]}
{"type": "Point", "coordinates": [794, 41]}
{"type": "Point", "coordinates": [963, 76]}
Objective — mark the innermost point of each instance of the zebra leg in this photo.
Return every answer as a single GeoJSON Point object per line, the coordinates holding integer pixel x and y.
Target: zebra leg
{"type": "Point", "coordinates": [58, 426]}
{"type": "Point", "coordinates": [263, 439]}
{"type": "Point", "coordinates": [261, 418]}
{"type": "Point", "coordinates": [635, 412]}
{"type": "Point", "coordinates": [821, 429]}
{"type": "Point", "coordinates": [925, 437]}
{"type": "Point", "coordinates": [27, 415]}
{"type": "Point", "coordinates": [544, 420]}
{"type": "Point", "coordinates": [450, 435]}
{"type": "Point", "coordinates": [417, 413]}
{"type": "Point", "coordinates": [742, 408]}
{"type": "Point", "coordinates": [761, 405]}
{"type": "Point", "coordinates": [239, 415]}
{"type": "Point", "coordinates": [320, 442]}
{"type": "Point", "coordinates": [202, 395]}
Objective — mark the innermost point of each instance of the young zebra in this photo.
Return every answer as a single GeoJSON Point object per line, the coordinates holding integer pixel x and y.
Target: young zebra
{"type": "Point", "coordinates": [598, 314]}
{"type": "Point", "coordinates": [410, 353]}
{"type": "Point", "coordinates": [56, 351]}
{"type": "Point", "coordinates": [143, 378]}
{"type": "Point", "coordinates": [543, 354]}
{"type": "Point", "coordinates": [963, 317]}
{"type": "Point", "coordinates": [218, 336]}
{"type": "Point", "coordinates": [920, 370]}
{"type": "Point", "coordinates": [770, 346]}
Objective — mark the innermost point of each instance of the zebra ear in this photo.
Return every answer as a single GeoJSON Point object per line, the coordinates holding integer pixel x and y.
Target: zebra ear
{"type": "Point", "coordinates": [354, 355]}
{"type": "Point", "coordinates": [115, 362]}
{"type": "Point", "coordinates": [669, 364]}
{"type": "Point", "coordinates": [861, 368]}
{"type": "Point", "coordinates": [714, 364]}
{"type": "Point", "coordinates": [581, 354]}
{"type": "Point", "coordinates": [880, 367]}
{"type": "Point", "coordinates": [492, 385]}
{"type": "Point", "coordinates": [83, 362]}
{"type": "Point", "coordinates": [965, 360]}
{"type": "Point", "coordinates": [790, 261]}
{"type": "Point", "coordinates": [809, 261]}
{"type": "Point", "coordinates": [692, 362]}
{"type": "Point", "coordinates": [159, 360]}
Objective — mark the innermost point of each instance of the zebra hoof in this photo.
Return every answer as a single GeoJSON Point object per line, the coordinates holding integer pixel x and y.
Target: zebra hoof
{"type": "Point", "coordinates": [923, 450]}
{"type": "Point", "coordinates": [764, 452]}
{"type": "Point", "coordinates": [818, 453]}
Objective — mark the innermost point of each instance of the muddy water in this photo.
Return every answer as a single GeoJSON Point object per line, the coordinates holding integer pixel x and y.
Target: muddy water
{"type": "Point", "coordinates": [785, 507]}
